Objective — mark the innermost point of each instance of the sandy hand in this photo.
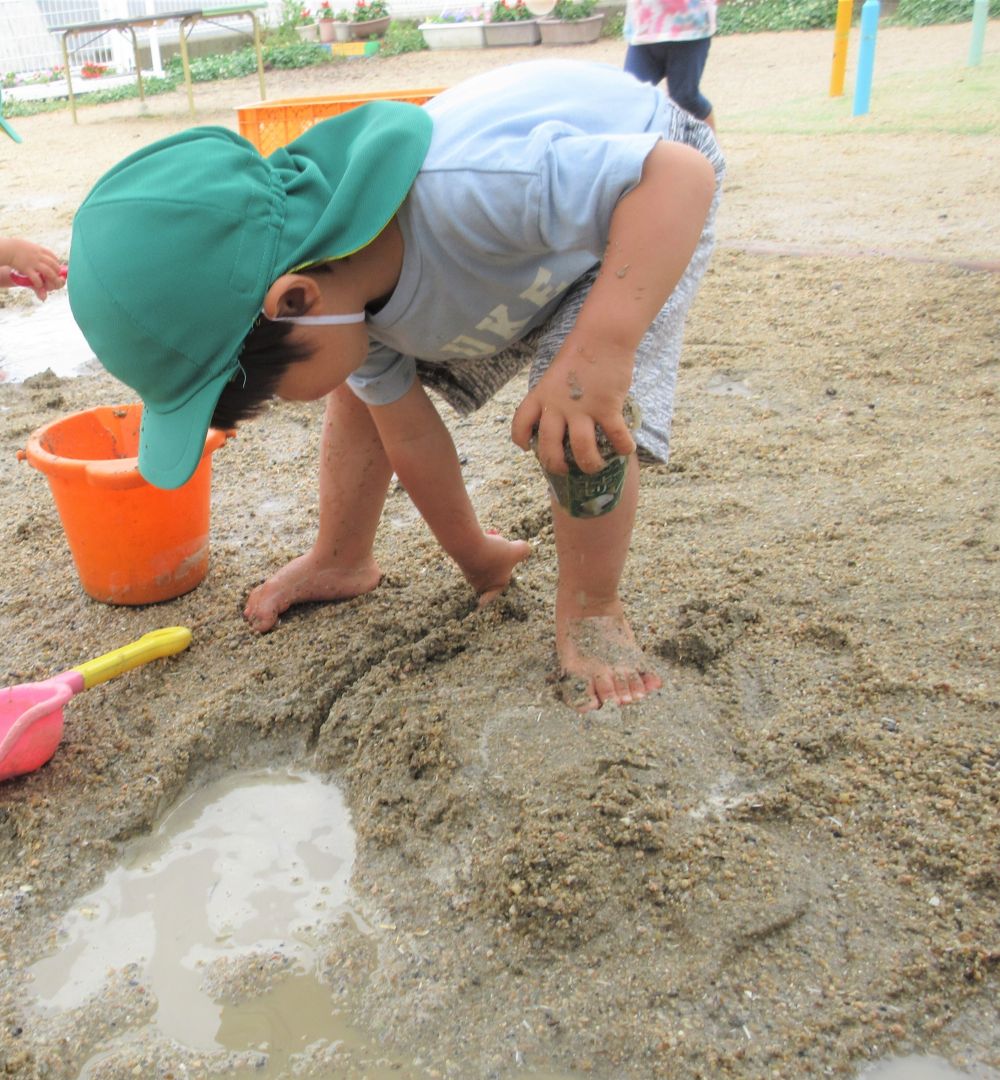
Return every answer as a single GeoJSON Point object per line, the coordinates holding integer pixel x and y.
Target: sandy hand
{"type": "Point", "coordinates": [304, 580]}
{"type": "Point", "coordinates": [601, 662]}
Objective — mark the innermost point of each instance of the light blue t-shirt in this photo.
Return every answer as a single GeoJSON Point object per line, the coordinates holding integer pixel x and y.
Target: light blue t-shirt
{"type": "Point", "coordinates": [512, 204]}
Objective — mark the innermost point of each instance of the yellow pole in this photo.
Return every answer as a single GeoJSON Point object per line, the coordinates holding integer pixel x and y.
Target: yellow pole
{"type": "Point", "coordinates": [69, 77]}
{"type": "Point", "coordinates": [260, 58]}
{"type": "Point", "coordinates": [138, 66]}
{"type": "Point", "coordinates": [185, 60]}
{"type": "Point", "coordinates": [841, 33]}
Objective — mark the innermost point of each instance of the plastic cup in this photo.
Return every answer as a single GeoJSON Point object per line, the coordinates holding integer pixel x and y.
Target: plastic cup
{"type": "Point", "coordinates": [588, 495]}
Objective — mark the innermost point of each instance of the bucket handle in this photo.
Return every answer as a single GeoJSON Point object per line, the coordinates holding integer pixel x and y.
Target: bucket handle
{"type": "Point", "coordinates": [119, 474]}
{"type": "Point", "coordinates": [116, 474]}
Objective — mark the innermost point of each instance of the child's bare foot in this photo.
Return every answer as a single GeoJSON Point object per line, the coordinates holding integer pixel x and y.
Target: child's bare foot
{"type": "Point", "coordinates": [304, 579]}
{"type": "Point", "coordinates": [494, 565]}
{"type": "Point", "coordinates": [601, 662]}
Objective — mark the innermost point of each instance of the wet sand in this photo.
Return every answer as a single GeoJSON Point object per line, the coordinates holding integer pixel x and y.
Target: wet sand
{"type": "Point", "coordinates": [782, 865]}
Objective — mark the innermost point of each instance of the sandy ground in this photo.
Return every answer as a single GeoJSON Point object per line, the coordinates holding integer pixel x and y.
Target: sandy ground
{"type": "Point", "coordinates": [783, 865]}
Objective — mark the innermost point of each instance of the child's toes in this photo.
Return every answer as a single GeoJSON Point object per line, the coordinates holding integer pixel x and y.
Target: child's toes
{"type": "Point", "coordinates": [637, 686]}
{"type": "Point", "coordinates": [260, 615]}
{"type": "Point", "coordinates": [624, 691]}
{"type": "Point", "coordinates": [609, 687]}
{"type": "Point", "coordinates": [651, 681]}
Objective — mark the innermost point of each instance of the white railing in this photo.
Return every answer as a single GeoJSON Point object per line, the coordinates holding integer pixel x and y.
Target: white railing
{"type": "Point", "coordinates": [28, 46]}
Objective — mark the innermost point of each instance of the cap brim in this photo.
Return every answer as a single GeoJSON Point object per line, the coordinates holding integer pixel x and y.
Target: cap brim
{"type": "Point", "coordinates": [171, 444]}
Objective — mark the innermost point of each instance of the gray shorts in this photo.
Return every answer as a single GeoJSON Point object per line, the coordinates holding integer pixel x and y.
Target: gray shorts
{"type": "Point", "coordinates": [467, 384]}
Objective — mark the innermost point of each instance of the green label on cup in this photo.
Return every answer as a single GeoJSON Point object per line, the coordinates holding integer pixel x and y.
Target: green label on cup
{"type": "Point", "coordinates": [585, 495]}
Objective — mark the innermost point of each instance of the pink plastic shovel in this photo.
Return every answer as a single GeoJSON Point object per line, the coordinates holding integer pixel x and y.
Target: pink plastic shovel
{"type": "Point", "coordinates": [31, 721]}
{"type": "Point", "coordinates": [17, 278]}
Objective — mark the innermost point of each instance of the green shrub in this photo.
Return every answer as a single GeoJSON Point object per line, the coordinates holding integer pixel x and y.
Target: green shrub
{"type": "Point", "coordinates": [614, 23]}
{"type": "Point", "coordinates": [573, 9]}
{"type": "Point", "coordinates": [13, 108]}
{"type": "Point", "coordinates": [930, 12]}
{"type": "Point", "coordinates": [749, 16]}
{"type": "Point", "coordinates": [402, 37]}
{"type": "Point", "coordinates": [235, 65]}
{"type": "Point", "coordinates": [151, 86]}
{"type": "Point", "coordinates": [299, 54]}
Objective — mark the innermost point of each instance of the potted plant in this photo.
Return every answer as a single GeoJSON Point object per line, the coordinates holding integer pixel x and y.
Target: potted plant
{"type": "Point", "coordinates": [324, 13]}
{"type": "Point", "coordinates": [370, 18]}
{"type": "Point", "coordinates": [342, 25]}
{"type": "Point", "coordinates": [572, 22]}
{"type": "Point", "coordinates": [93, 71]}
{"type": "Point", "coordinates": [511, 24]}
{"type": "Point", "coordinates": [455, 28]}
{"type": "Point", "coordinates": [305, 25]}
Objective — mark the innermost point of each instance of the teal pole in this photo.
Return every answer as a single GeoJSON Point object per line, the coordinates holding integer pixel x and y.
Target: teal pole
{"type": "Point", "coordinates": [4, 125]}
{"type": "Point", "coordinates": [980, 10]}
{"type": "Point", "coordinates": [866, 57]}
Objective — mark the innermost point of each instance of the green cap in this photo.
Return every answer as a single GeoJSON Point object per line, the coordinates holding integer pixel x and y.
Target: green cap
{"type": "Point", "coordinates": [175, 248]}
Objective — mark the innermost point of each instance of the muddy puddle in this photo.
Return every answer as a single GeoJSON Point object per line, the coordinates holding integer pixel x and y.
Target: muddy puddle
{"type": "Point", "coordinates": [34, 337]}
{"type": "Point", "coordinates": [217, 917]}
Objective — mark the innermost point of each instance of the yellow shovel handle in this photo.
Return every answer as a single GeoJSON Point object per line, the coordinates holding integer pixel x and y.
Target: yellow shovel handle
{"type": "Point", "coordinates": [151, 646]}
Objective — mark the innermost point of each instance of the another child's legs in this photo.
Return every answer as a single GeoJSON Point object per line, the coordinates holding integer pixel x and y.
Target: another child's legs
{"type": "Point", "coordinates": [648, 63]}
{"type": "Point", "coordinates": [684, 68]}
{"type": "Point", "coordinates": [681, 64]}
{"type": "Point", "coordinates": [597, 651]}
{"type": "Point", "coordinates": [354, 480]}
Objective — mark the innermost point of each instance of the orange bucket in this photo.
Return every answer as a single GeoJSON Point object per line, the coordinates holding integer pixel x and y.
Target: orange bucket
{"type": "Point", "coordinates": [132, 543]}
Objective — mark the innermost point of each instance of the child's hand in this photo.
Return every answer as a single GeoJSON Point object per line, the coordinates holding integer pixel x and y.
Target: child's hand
{"type": "Point", "coordinates": [571, 397]}
{"type": "Point", "coordinates": [37, 263]}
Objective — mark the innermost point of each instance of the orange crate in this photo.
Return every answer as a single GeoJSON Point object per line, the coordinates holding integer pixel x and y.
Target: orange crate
{"type": "Point", "coordinates": [270, 124]}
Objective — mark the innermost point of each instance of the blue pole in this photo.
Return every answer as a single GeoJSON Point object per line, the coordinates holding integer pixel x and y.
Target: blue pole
{"type": "Point", "coordinates": [980, 10]}
{"type": "Point", "coordinates": [866, 57]}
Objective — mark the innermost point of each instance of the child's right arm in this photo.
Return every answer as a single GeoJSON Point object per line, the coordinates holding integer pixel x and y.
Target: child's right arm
{"type": "Point", "coordinates": [39, 264]}
{"type": "Point", "coordinates": [654, 231]}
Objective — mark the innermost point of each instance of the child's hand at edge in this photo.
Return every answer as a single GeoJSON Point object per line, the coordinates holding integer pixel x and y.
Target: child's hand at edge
{"type": "Point", "coordinates": [37, 263]}
{"type": "Point", "coordinates": [574, 397]}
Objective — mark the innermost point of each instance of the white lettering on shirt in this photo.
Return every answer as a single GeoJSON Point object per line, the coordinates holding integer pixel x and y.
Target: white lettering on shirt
{"type": "Point", "coordinates": [500, 325]}
{"type": "Point", "coordinates": [464, 345]}
{"type": "Point", "coordinates": [541, 291]}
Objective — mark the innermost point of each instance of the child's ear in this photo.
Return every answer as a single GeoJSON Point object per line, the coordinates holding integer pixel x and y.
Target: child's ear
{"type": "Point", "coordinates": [291, 295]}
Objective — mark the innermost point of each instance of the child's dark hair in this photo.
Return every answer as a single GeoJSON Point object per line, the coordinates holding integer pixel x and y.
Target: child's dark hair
{"type": "Point", "coordinates": [266, 356]}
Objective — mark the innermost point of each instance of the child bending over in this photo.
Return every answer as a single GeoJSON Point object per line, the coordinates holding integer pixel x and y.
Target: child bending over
{"type": "Point", "coordinates": [557, 214]}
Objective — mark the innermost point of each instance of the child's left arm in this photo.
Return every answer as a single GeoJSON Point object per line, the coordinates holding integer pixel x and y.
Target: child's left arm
{"type": "Point", "coordinates": [653, 233]}
{"type": "Point", "coordinates": [423, 456]}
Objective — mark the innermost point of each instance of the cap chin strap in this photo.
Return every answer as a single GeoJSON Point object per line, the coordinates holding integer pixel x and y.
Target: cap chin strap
{"type": "Point", "coordinates": [318, 320]}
